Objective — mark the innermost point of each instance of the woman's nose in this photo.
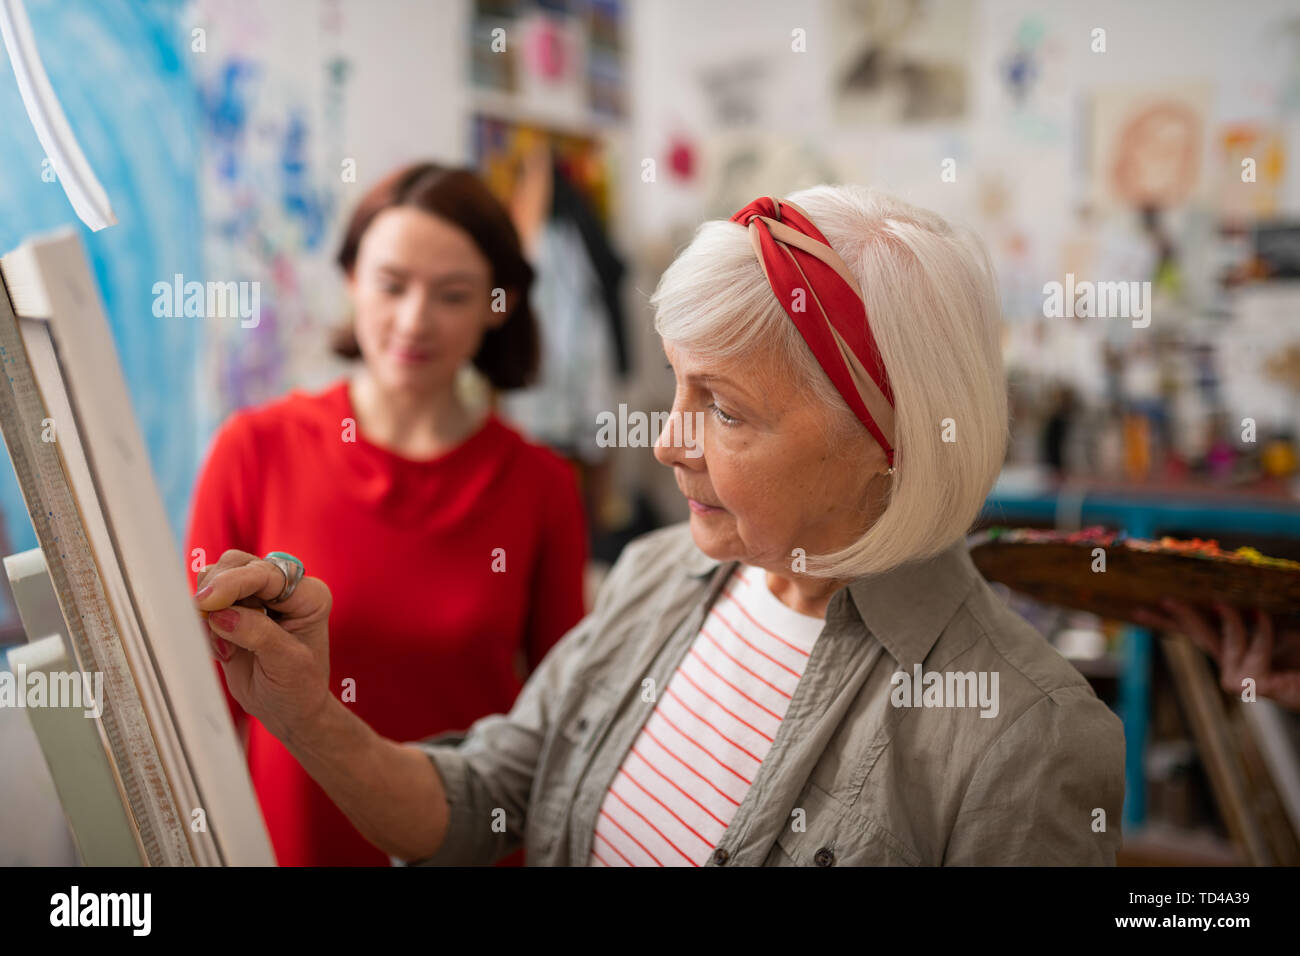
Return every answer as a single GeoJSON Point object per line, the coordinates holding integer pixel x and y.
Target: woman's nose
{"type": "Point", "coordinates": [413, 315]}
{"type": "Point", "coordinates": [677, 443]}
{"type": "Point", "coordinates": [663, 445]}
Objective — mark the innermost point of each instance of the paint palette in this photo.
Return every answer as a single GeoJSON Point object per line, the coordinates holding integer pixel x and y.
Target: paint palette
{"type": "Point", "coordinates": [1113, 576]}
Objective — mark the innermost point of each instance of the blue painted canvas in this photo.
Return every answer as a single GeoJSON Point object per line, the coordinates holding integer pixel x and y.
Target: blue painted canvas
{"type": "Point", "coordinates": [119, 68]}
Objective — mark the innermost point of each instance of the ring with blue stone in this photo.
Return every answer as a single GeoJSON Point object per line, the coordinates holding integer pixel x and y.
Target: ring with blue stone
{"type": "Point", "coordinates": [293, 572]}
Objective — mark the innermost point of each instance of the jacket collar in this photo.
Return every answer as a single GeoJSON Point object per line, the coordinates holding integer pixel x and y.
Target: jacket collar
{"type": "Point", "coordinates": [905, 608]}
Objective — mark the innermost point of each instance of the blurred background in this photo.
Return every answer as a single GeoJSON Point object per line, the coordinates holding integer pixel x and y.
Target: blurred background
{"type": "Point", "coordinates": [1105, 140]}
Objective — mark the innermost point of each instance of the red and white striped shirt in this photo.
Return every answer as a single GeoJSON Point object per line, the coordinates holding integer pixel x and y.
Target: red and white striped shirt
{"type": "Point", "coordinates": [695, 758]}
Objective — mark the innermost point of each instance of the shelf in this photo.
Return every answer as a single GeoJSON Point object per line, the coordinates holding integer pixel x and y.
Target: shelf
{"type": "Point", "coordinates": [1161, 845]}
{"type": "Point", "coordinates": [536, 112]}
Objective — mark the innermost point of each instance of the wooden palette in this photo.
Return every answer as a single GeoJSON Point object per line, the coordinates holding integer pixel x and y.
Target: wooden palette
{"type": "Point", "coordinates": [1061, 572]}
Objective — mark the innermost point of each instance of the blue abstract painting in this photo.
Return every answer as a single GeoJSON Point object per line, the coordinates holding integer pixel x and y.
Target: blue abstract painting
{"type": "Point", "coordinates": [120, 69]}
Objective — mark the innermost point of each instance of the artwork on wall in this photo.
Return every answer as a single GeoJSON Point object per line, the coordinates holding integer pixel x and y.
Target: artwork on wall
{"type": "Point", "coordinates": [739, 166]}
{"type": "Point", "coordinates": [734, 91]}
{"type": "Point", "coordinates": [1253, 160]}
{"type": "Point", "coordinates": [1031, 77]}
{"type": "Point", "coordinates": [900, 61]}
{"type": "Point", "coordinates": [271, 200]}
{"type": "Point", "coordinates": [1148, 146]}
{"type": "Point", "coordinates": [551, 52]}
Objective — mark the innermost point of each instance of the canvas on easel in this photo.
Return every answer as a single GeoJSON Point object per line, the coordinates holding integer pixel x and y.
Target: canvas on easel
{"type": "Point", "coordinates": [1239, 776]}
{"type": "Point", "coordinates": [86, 479]}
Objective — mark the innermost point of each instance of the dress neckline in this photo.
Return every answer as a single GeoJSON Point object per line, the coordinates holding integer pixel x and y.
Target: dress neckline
{"type": "Point", "coordinates": [488, 429]}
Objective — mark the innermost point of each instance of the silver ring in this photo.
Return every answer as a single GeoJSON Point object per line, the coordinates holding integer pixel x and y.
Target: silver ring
{"type": "Point", "coordinates": [293, 573]}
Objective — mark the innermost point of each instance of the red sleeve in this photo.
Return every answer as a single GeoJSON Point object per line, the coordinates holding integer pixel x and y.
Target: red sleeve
{"type": "Point", "coordinates": [221, 513]}
{"type": "Point", "coordinates": [557, 591]}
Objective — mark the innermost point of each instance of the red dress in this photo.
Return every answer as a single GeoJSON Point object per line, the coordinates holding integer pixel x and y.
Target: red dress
{"type": "Point", "coordinates": [443, 573]}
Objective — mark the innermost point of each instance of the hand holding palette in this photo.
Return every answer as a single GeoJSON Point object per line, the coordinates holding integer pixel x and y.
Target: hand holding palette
{"type": "Point", "coordinates": [1114, 576]}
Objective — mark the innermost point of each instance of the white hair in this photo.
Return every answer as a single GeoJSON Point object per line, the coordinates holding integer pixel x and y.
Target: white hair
{"type": "Point", "coordinates": [932, 304]}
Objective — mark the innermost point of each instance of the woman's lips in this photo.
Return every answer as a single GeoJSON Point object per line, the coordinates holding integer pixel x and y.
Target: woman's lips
{"type": "Point", "coordinates": [702, 509]}
{"type": "Point", "coordinates": [405, 356]}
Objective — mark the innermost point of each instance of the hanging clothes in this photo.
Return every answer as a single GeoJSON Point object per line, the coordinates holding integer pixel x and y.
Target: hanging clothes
{"type": "Point", "coordinates": [568, 203]}
{"type": "Point", "coordinates": [579, 360]}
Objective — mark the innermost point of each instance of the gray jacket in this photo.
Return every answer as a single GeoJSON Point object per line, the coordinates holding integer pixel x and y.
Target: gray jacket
{"type": "Point", "coordinates": [1031, 772]}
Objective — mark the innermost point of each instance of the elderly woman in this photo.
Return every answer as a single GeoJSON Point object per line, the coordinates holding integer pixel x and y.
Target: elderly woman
{"type": "Point", "coordinates": [811, 672]}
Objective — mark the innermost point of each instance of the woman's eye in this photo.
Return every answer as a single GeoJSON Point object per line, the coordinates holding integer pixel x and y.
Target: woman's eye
{"type": "Point", "coordinates": [722, 416]}
{"type": "Point", "coordinates": [390, 288]}
{"type": "Point", "coordinates": [456, 298]}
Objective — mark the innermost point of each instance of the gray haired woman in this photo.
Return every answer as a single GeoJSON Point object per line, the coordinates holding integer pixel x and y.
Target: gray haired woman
{"type": "Point", "coordinates": [809, 672]}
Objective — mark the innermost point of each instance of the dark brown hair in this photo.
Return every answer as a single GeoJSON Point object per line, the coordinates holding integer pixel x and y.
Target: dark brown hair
{"type": "Point", "coordinates": [509, 354]}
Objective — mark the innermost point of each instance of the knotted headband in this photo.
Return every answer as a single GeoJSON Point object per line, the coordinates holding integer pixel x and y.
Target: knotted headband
{"type": "Point", "coordinates": [821, 296]}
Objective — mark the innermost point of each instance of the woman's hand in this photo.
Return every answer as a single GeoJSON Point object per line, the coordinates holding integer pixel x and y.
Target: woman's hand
{"type": "Point", "coordinates": [1271, 660]}
{"type": "Point", "coordinates": [278, 670]}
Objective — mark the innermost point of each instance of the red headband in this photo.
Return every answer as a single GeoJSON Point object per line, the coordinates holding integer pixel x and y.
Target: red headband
{"type": "Point", "coordinates": [801, 265]}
